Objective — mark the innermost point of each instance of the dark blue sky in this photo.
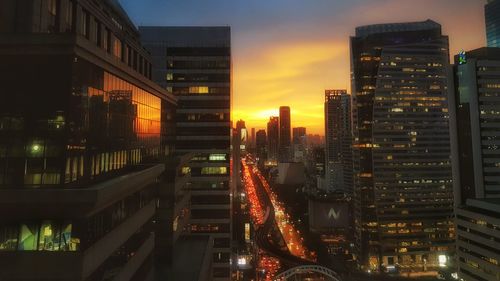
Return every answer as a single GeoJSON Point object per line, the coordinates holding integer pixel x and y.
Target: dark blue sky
{"type": "Point", "coordinates": [286, 52]}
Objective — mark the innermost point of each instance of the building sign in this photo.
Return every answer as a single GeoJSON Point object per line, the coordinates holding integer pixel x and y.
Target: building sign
{"type": "Point", "coordinates": [462, 57]}
{"type": "Point", "coordinates": [328, 215]}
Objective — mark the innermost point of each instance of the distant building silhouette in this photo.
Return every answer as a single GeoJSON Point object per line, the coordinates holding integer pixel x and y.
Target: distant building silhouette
{"type": "Point", "coordinates": [285, 138]}
{"type": "Point", "coordinates": [273, 131]}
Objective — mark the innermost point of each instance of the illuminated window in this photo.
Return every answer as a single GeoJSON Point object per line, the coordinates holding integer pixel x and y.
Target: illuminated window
{"type": "Point", "coordinates": [48, 235]}
{"type": "Point", "coordinates": [8, 238]}
{"type": "Point", "coordinates": [185, 170]}
{"type": "Point", "coordinates": [217, 157]}
{"type": "Point", "coordinates": [28, 237]}
{"type": "Point", "coordinates": [175, 224]}
{"type": "Point", "coordinates": [170, 76]}
{"type": "Point", "coordinates": [198, 90]}
{"type": "Point", "coordinates": [117, 48]}
{"type": "Point", "coordinates": [214, 170]}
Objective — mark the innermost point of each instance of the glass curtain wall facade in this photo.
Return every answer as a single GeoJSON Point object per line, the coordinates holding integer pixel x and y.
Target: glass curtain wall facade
{"type": "Point", "coordinates": [82, 133]}
{"type": "Point", "coordinates": [403, 188]}
{"type": "Point", "coordinates": [194, 64]}
{"type": "Point", "coordinates": [492, 17]}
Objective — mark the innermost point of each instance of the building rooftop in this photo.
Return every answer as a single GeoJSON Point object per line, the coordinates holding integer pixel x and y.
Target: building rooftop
{"type": "Point", "coordinates": [191, 36]}
{"type": "Point", "coordinates": [367, 30]}
{"type": "Point", "coordinates": [484, 53]}
{"type": "Point", "coordinates": [117, 7]}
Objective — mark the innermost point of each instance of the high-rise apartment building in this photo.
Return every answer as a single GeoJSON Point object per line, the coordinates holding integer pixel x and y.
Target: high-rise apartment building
{"type": "Point", "coordinates": [403, 190]}
{"type": "Point", "coordinates": [83, 132]}
{"type": "Point", "coordinates": [338, 140]}
{"type": "Point", "coordinates": [474, 112]}
{"type": "Point", "coordinates": [194, 63]}
{"type": "Point", "coordinates": [492, 17]}
{"type": "Point", "coordinates": [285, 138]}
{"type": "Point", "coordinates": [273, 136]}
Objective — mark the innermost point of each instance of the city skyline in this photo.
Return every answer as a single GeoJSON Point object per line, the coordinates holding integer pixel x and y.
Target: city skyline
{"type": "Point", "coordinates": [305, 49]}
{"type": "Point", "coordinates": [189, 145]}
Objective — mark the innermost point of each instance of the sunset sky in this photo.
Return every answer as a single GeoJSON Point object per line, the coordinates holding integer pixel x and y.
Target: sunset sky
{"type": "Point", "coordinates": [287, 52]}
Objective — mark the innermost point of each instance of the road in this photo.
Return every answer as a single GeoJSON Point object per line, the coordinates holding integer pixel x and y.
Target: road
{"type": "Point", "coordinates": [280, 243]}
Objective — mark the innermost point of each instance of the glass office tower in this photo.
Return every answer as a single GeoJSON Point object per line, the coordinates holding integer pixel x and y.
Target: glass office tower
{"type": "Point", "coordinates": [474, 112]}
{"type": "Point", "coordinates": [194, 63]}
{"type": "Point", "coordinates": [492, 17]}
{"type": "Point", "coordinates": [338, 141]}
{"type": "Point", "coordinates": [82, 133]}
{"type": "Point", "coordinates": [403, 188]}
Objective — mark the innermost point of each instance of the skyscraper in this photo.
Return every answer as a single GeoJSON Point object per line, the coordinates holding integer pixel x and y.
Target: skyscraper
{"type": "Point", "coordinates": [273, 135]}
{"type": "Point", "coordinates": [194, 63]}
{"type": "Point", "coordinates": [243, 134]}
{"type": "Point", "coordinates": [338, 139]}
{"type": "Point", "coordinates": [299, 144]}
{"type": "Point", "coordinates": [492, 17]}
{"type": "Point", "coordinates": [298, 135]}
{"type": "Point", "coordinates": [474, 112]}
{"type": "Point", "coordinates": [83, 135]}
{"type": "Point", "coordinates": [403, 188]}
{"type": "Point", "coordinates": [285, 138]}
{"type": "Point", "coordinates": [261, 146]}
{"type": "Point", "coordinates": [252, 138]}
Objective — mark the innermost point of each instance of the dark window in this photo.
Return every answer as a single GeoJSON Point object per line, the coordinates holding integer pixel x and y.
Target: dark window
{"type": "Point", "coordinates": [85, 24]}
{"type": "Point", "coordinates": [223, 51]}
{"type": "Point", "coordinates": [220, 272]}
{"type": "Point", "coordinates": [210, 199]}
{"type": "Point", "coordinates": [52, 15]}
{"type": "Point", "coordinates": [221, 257]}
{"type": "Point", "coordinates": [210, 214]}
{"type": "Point", "coordinates": [68, 17]}
{"type": "Point", "coordinates": [106, 38]}
{"type": "Point", "coordinates": [222, 243]}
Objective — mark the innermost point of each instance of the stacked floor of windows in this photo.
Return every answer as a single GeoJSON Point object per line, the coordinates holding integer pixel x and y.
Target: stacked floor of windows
{"type": "Point", "coordinates": [76, 234]}
{"type": "Point", "coordinates": [478, 242]}
{"type": "Point", "coordinates": [89, 127]}
{"type": "Point", "coordinates": [412, 166]}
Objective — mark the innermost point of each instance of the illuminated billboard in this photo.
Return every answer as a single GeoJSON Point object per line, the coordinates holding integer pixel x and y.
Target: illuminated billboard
{"type": "Point", "coordinates": [328, 215]}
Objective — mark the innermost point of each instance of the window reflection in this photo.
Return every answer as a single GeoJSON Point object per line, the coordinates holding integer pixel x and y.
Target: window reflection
{"type": "Point", "coordinates": [109, 124]}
